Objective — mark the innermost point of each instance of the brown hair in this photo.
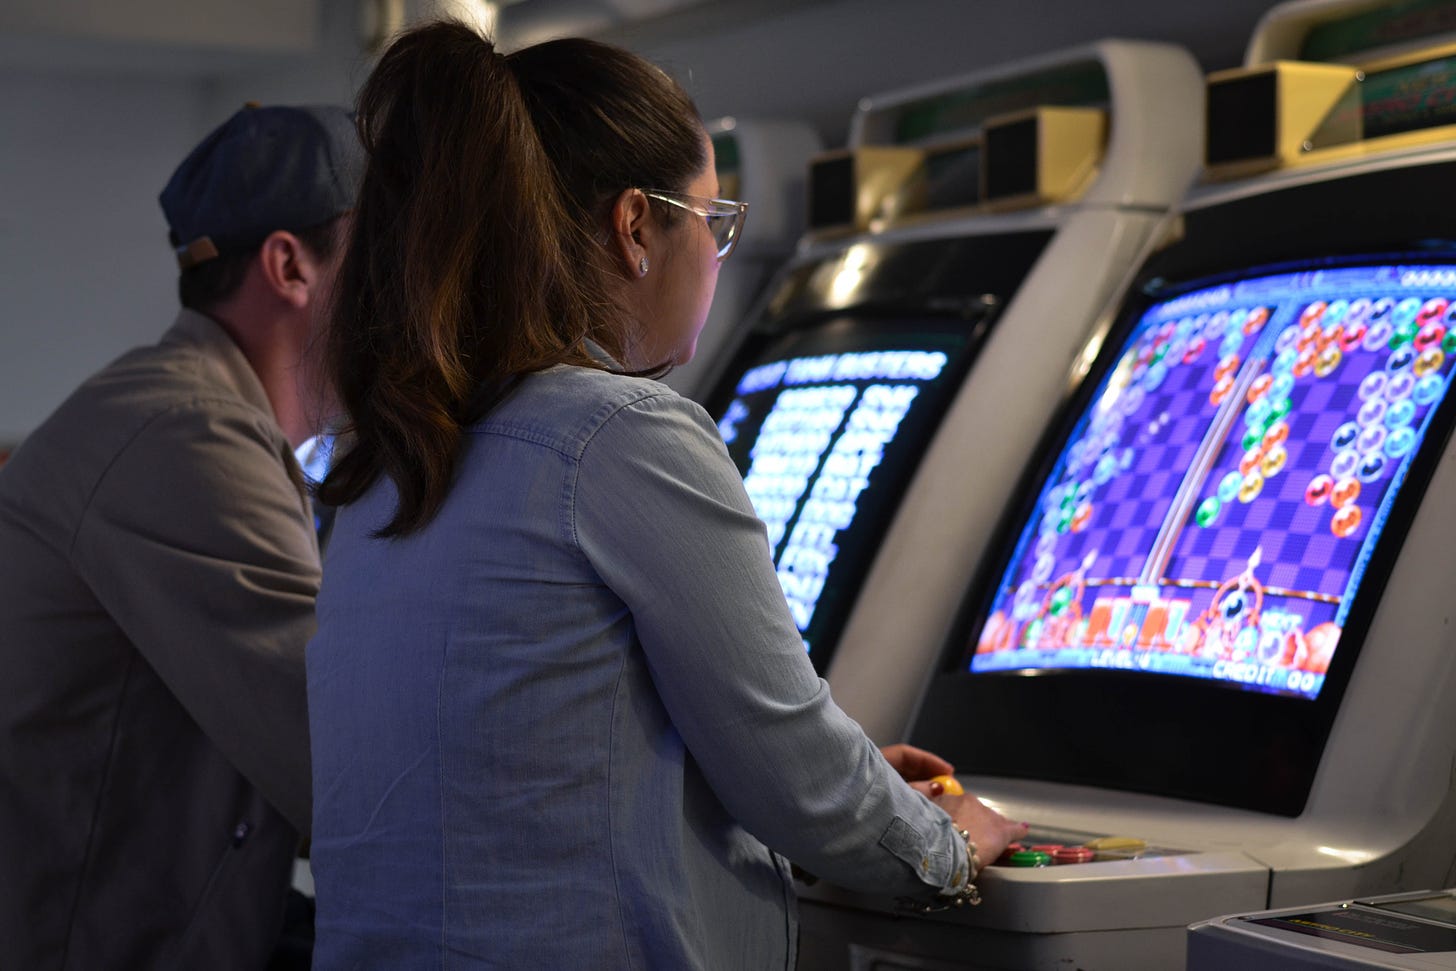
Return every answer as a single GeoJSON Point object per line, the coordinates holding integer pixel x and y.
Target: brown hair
{"type": "Point", "coordinates": [204, 286]}
{"type": "Point", "coordinates": [475, 256]}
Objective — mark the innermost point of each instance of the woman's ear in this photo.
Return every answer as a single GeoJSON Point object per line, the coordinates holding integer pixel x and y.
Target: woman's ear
{"type": "Point", "coordinates": [634, 233]}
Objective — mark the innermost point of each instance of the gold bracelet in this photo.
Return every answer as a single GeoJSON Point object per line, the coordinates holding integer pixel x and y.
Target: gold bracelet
{"type": "Point", "coordinates": [967, 895]}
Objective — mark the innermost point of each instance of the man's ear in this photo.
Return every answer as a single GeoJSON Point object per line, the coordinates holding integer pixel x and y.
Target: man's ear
{"type": "Point", "coordinates": [634, 233]}
{"type": "Point", "coordinates": [288, 267]}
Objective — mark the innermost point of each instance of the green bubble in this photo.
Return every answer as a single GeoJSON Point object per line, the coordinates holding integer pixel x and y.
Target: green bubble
{"type": "Point", "coordinates": [1061, 600]}
{"type": "Point", "coordinates": [1279, 409]}
{"type": "Point", "coordinates": [1448, 343]}
{"type": "Point", "coordinates": [1208, 511]}
{"type": "Point", "coordinates": [1404, 333]}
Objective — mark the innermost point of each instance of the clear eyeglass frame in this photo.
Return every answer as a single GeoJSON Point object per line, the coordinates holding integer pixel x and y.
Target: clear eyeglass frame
{"type": "Point", "coordinates": [725, 216]}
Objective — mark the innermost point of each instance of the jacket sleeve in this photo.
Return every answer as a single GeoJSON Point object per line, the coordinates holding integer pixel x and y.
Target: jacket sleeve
{"type": "Point", "coordinates": [198, 542]}
{"type": "Point", "coordinates": [661, 513]}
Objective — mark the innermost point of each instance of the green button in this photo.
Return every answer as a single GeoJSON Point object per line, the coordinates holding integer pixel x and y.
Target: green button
{"type": "Point", "coordinates": [1030, 858]}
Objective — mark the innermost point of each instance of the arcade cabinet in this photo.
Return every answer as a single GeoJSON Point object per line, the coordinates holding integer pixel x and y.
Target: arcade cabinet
{"type": "Point", "coordinates": [1210, 656]}
{"type": "Point", "coordinates": [958, 253]}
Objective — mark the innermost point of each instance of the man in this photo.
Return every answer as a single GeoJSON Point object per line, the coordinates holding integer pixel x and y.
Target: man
{"type": "Point", "coordinates": [158, 569]}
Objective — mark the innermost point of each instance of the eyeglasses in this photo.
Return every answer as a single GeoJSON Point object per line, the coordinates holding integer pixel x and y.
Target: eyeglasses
{"type": "Point", "coordinates": [725, 217]}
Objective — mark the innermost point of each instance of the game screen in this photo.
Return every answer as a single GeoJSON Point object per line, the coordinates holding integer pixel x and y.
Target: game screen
{"type": "Point", "coordinates": [1212, 512]}
{"type": "Point", "coordinates": [826, 425]}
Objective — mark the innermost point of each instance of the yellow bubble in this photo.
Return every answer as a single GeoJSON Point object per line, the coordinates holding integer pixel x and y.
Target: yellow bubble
{"type": "Point", "coordinates": [1328, 360]}
{"type": "Point", "coordinates": [1429, 362]}
{"type": "Point", "coordinates": [1252, 485]}
{"type": "Point", "coordinates": [1274, 461]}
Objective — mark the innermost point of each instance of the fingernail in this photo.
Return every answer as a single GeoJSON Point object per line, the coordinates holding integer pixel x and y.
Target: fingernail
{"type": "Point", "coordinates": [937, 789]}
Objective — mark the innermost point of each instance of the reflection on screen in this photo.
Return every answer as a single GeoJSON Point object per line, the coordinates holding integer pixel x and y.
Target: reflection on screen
{"type": "Point", "coordinates": [1212, 513]}
{"type": "Point", "coordinates": [825, 426]}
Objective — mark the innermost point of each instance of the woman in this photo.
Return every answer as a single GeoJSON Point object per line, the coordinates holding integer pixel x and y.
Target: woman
{"type": "Point", "coordinates": [559, 708]}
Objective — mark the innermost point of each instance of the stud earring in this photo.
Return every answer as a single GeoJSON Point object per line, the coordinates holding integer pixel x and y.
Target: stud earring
{"type": "Point", "coordinates": [642, 266]}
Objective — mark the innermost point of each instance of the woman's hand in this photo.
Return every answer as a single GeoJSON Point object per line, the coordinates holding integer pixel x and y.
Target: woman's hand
{"type": "Point", "coordinates": [917, 767]}
{"type": "Point", "coordinates": [990, 831]}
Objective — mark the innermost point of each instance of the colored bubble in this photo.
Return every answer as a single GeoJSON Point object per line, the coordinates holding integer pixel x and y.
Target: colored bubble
{"type": "Point", "coordinates": [1353, 335]}
{"type": "Point", "coordinates": [1304, 363]}
{"type": "Point", "coordinates": [1429, 361]}
{"type": "Point", "coordinates": [1400, 413]}
{"type": "Point", "coordinates": [1257, 414]}
{"type": "Point", "coordinates": [1400, 441]}
{"type": "Point", "coordinates": [1448, 343]}
{"type": "Point", "coordinates": [1406, 310]}
{"type": "Point", "coordinates": [1344, 436]}
{"type": "Point", "coordinates": [1081, 517]}
{"type": "Point", "coordinates": [1064, 521]}
{"type": "Point", "coordinates": [1430, 335]}
{"type": "Point", "coordinates": [1231, 344]}
{"type": "Point", "coordinates": [1400, 358]}
{"type": "Point", "coordinates": [1318, 489]}
{"type": "Point", "coordinates": [1045, 545]}
{"type": "Point", "coordinates": [1345, 463]}
{"type": "Point", "coordinates": [1370, 438]}
{"type": "Point", "coordinates": [1346, 521]}
{"type": "Point", "coordinates": [1336, 311]}
{"type": "Point", "coordinates": [1160, 351]}
{"type": "Point", "coordinates": [1195, 348]}
{"type": "Point", "coordinates": [1207, 512]}
{"type": "Point", "coordinates": [1105, 469]}
{"type": "Point", "coordinates": [1234, 603]}
{"type": "Point", "coordinates": [1283, 384]}
{"type": "Point", "coordinates": [1345, 492]}
{"type": "Point", "coordinates": [1041, 572]}
{"type": "Point", "coordinates": [1274, 461]}
{"type": "Point", "coordinates": [1221, 389]}
{"type": "Point", "coordinates": [1330, 336]}
{"type": "Point", "coordinates": [1403, 334]}
{"type": "Point", "coordinates": [1250, 462]}
{"type": "Point", "coordinates": [1156, 373]}
{"type": "Point", "coordinates": [1308, 335]}
{"type": "Point", "coordinates": [1166, 332]}
{"type": "Point", "coordinates": [1381, 308]}
{"type": "Point", "coordinates": [1328, 360]}
{"type": "Point", "coordinates": [1431, 310]}
{"type": "Point", "coordinates": [1371, 466]}
{"type": "Point", "coordinates": [1359, 310]}
{"type": "Point", "coordinates": [1312, 313]}
{"type": "Point", "coordinates": [1427, 389]}
{"type": "Point", "coordinates": [1260, 387]}
{"type": "Point", "coordinates": [1279, 407]}
{"type": "Point", "coordinates": [1284, 362]}
{"type": "Point", "coordinates": [1253, 438]}
{"type": "Point", "coordinates": [1400, 384]}
{"type": "Point", "coordinates": [1372, 385]}
{"type": "Point", "coordinates": [1377, 335]}
{"type": "Point", "coordinates": [1371, 412]}
{"type": "Point", "coordinates": [1228, 486]}
{"type": "Point", "coordinates": [1253, 484]}
{"type": "Point", "coordinates": [1124, 460]}
{"type": "Point", "coordinates": [1277, 434]}
{"type": "Point", "coordinates": [1288, 338]}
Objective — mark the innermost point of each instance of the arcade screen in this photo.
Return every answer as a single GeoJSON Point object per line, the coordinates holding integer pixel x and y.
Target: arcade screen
{"type": "Point", "coordinates": [825, 424]}
{"type": "Point", "coordinates": [1214, 509]}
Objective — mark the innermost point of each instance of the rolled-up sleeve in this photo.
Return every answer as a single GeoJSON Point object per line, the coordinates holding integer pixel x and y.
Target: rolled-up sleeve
{"type": "Point", "coordinates": [660, 511]}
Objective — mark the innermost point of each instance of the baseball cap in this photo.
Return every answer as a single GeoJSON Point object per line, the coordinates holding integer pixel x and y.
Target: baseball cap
{"type": "Point", "coordinates": [262, 170]}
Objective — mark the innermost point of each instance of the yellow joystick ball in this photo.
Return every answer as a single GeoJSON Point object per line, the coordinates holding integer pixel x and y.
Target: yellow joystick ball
{"type": "Point", "coordinates": [950, 784]}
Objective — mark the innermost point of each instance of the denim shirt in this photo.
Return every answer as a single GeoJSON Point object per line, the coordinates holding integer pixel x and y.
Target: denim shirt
{"type": "Point", "coordinates": [563, 724]}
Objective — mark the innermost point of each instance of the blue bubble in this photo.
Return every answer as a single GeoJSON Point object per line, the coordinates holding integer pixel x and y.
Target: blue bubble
{"type": "Point", "coordinates": [1400, 385]}
{"type": "Point", "coordinates": [1345, 464]}
{"type": "Point", "coordinates": [1154, 377]}
{"type": "Point", "coordinates": [1373, 385]}
{"type": "Point", "coordinates": [1344, 436]}
{"type": "Point", "coordinates": [1406, 310]}
{"type": "Point", "coordinates": [1231, 344]}
{"type": "Point", "coordinates": [1382, 307]}
{"type": "Point", "coordinates": [1371, 465]}
{"type": "Point", "coordinates": [1287, 338]}
{"type": "Point", "coordinates": [1228, 486]}
{"type": "Point", "coordinates": [1284, 363]}
{"type": "Point", "coordinates": [1400, 441]}
{"type": "Point", "coordinates": [1400, 414]}
{"type": "Point", "coordinates": [1428, 389]}
{"type": "Point", "coordinates": [1281, 386]}
{"type": "Point", "coordinates": [1336, 311]}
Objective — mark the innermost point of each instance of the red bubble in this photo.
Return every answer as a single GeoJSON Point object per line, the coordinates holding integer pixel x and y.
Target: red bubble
{"type": "Point", "coordinates": [1318, 489]}
{"type": "Point", "coordinates": [1330, 335]}
{"type": "Point", "coordinates": [1221, 389]}
{"type": "Point", "coordinates": [1351, 338]}
{"type": "Point", "coordinates": [1277, 434]}
{"type": "Point", "coordinates": [1256, 319]}
{"type": "Point", "coordinates": [1259, 387]}
{"type": "Point", "coordinates": [1429, 336]}
{"type": "Point", "coordinates": [1195, 348]}
{"type": "Point", "coordinates": [1226, 367]}
{"type": "Point", "coordinates": [1304, 363]}
{"type": "Point", "coordinates": [1321, 643]}
{"type": "Point", "coordinates": [1431, 310]}
{"type": "Point", "coordinates": [1312, 313]}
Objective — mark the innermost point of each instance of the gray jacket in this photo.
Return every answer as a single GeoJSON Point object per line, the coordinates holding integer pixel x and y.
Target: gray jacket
{"type": "Point", "coordinates": [157, 577]}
